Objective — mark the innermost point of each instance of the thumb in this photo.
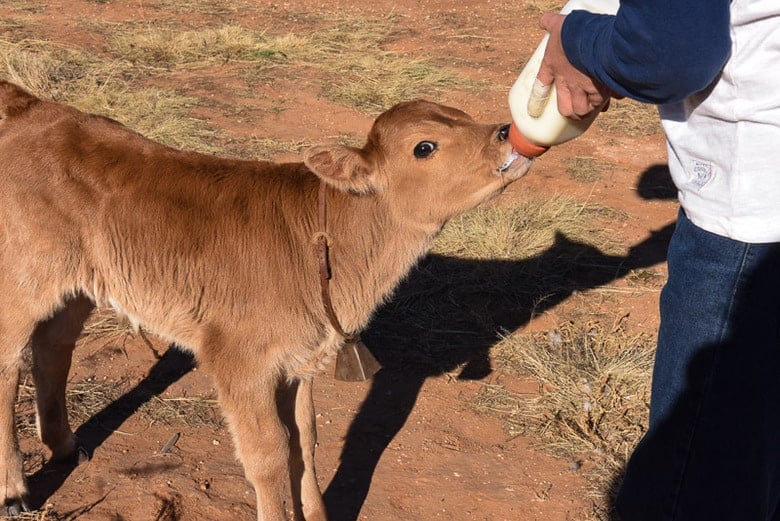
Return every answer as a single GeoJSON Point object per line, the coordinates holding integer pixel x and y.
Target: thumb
{"type": "Point", "coordinates": [540, 94]}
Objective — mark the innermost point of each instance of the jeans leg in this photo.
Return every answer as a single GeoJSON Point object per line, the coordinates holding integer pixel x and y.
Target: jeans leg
{"type": "Point", "coordinates": [711, 450]}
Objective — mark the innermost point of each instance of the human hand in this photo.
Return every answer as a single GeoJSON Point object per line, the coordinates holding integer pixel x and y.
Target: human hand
{"type": "Point", "coordinates": [578, 94]}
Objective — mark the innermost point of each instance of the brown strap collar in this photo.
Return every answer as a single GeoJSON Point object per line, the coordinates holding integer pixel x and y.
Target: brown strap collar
{"type": "Point", "coordinates": [354, 362]}
{"type": "Point", "coordinates": [322, 241]}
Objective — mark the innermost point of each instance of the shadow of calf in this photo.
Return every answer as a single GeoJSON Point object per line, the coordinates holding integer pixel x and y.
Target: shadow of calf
{"type": "Point", "coordinates": [171, 366]}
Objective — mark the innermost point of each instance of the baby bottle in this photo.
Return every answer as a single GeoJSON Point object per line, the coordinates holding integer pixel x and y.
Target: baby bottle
{"type": "Point", "coordinates": [537, 127]}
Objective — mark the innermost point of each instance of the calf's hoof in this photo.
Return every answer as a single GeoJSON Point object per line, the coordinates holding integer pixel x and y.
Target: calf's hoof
{"type": "Point", "coordinates": [74, 455]}
{"type": "Point", "coordinates": [14, 507]}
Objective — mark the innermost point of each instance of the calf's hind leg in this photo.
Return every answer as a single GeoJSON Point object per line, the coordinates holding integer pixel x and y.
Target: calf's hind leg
{"type": "Point", "coordinates": [296, 407]}
{"type": "Point", "coordinates": [53, 342]}
{"type": "Point", "coordinates": [12, 481]}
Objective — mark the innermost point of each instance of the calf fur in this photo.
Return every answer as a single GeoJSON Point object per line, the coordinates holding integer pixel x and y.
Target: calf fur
{"type": "Point", "coordinates": [216, 254]}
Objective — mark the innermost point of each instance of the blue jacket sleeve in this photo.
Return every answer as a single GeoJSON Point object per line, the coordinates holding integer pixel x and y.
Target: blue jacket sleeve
{"type": "Point", "coordinates": [654, 51]}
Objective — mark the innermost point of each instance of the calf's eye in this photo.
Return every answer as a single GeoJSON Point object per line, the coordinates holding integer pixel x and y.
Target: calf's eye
{"type": "Point", "coordinates": [424, 149]}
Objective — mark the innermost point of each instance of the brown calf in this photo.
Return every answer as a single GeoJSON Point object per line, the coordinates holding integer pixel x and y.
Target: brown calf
{"type": "Point", "coordinates": [216, 255]}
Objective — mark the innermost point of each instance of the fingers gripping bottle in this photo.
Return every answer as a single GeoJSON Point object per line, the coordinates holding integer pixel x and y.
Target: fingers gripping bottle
{"type": "Point", "coordinates": [536, 122]}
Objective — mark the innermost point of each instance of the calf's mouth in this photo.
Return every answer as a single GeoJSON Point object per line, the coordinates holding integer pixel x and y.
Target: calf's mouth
{"type": "Point", "coordinates": [513, 156]}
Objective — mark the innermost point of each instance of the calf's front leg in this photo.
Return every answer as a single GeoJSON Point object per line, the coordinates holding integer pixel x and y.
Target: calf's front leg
{"type": "Point", "coordinates": [260, 437]}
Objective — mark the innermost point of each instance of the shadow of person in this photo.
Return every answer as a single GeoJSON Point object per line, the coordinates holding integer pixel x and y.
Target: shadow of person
{"type": "Point", "coordinates": [170, 367]}
{"type": "Point", "coordinates": [712, 452]}
{"type": "Point", "coordinates": [439, 323]}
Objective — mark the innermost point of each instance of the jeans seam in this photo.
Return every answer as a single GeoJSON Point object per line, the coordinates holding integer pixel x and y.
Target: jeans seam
{"type": "Point", "coordinates": [721, 335]}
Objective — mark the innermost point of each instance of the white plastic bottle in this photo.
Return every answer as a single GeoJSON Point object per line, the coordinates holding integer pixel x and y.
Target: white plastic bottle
{"type": "Point", "coordinates": [533, 135]}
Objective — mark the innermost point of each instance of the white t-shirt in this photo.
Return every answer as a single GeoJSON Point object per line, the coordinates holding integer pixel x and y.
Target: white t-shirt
{"type": "Point", "coordinates": [724, 142]}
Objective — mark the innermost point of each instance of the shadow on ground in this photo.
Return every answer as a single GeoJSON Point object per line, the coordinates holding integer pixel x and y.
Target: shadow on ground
{"type": "Point", "coordinates": [170, 367]}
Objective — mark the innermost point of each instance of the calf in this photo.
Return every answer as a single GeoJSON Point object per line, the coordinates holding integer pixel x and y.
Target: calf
{"type": "Point", "coordinates": [217, 255]}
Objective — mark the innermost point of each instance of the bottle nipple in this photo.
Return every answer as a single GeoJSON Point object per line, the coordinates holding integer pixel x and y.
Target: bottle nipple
{"type": "Point", "coordinates": [522, 145]}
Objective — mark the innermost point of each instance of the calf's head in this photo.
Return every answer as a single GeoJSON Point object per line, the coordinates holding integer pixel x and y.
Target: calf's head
{"type": "Point", "coordinates": [428, 161]}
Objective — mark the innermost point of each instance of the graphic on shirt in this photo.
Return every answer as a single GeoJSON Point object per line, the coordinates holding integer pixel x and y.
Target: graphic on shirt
{"type": "Point", "coordinates": [702, 173]}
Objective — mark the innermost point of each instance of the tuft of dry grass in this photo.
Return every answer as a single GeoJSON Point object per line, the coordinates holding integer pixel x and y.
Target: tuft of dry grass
{"type": "Point", "coordinates": [192, 411]}
{"type": "Point", "coordinates": [594, 393]}
{"type": "Point", "coordinates": [366, 76]}
{"type": "Point", "coordinates": [267, 148]}
{"type": "Point", "coordinates": [47, 513]}
{"type": "Point", "coordinates": [209, 7]}
{"type": "Point", "coordinates": [630, 118]}
{"type": "Point", "coordinates": [646, 278]}
{"type": "Point", "coordinates": [586, 169]}
{"type": "Point", "coordinates": [46, 69]}
{"type": "Point", "coordinates": [543, 6]}
{"type": "Point", "coordinates": [98, 86]}
{"type": "Point", "coordinates": [87, 397]}
{"type": "Point", "coordinates": [376, 82]}
{"type": "Point", "coordinates": [13, 24]}
{"type": "Point", "coordinates": [348, 51]}
{"type": "Point", "coordinates": [84, 398]}
{"type": "Point", "coordinates": [524, 229]}
{"type": "Point", "coordinates": [171, 47]}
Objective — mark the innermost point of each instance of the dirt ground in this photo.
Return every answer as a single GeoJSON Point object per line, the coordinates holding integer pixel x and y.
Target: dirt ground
{"type": "Point", "coordinates": [407, 445]}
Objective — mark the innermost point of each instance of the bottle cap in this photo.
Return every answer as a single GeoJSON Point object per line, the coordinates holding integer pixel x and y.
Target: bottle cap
{"type": "Point", "coordinates": [522, 145]}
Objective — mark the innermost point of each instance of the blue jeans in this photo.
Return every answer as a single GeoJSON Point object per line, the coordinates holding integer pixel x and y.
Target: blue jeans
{"type": "Point", "coordinates": [712, 449]}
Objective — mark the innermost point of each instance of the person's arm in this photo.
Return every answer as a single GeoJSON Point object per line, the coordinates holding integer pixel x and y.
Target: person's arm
{"type": "Point", "coordinates": [654, 51]}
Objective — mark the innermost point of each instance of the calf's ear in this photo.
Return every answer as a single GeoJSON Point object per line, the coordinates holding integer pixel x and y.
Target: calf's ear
{"type": "Point", "coordinates": [342, 167]}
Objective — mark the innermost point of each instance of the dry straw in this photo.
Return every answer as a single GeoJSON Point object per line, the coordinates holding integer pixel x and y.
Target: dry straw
{"type": "Point", "coordinates": [593, 395]}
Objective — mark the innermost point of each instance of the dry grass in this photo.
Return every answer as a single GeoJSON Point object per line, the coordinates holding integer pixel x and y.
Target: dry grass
{"type": "Point", "coordinates": [104, 326]}
{"type": "Point", "coordinates": [543, 6]}
{"type": "Point", "coordinates": [594, 394]}
{"type": "Point", "coordinates": [46, 69]}
{"type": "Point", "coordinates": [524, 229]}
{"type": "Point", "coordinates": [268, 148]}
{"type": "Point", "coordinates": [99, 86]}
{"type": "Point", "coordinates": [348, 51]}
{"type": "Point", "coordinates": [84, 399]}
{"type": "Point", "coordinates": [89, 396]}
{"type": "Point", "coordinates": [171, 47]}
{"type": "Point", "coordinates": [367, 77]}
{"type": "Point", "coordinates": [586, 169]}
{"type": "Point", "coordinates": [630, 118]}
{"type": "Point", "coordinates": [13, 24]}
{"type": "Point", "coordinates": [645, 278]}
{"type": "Point", "coordinates": [45, 514]}
{"type": "Point", "coordinates": [208, 7]}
